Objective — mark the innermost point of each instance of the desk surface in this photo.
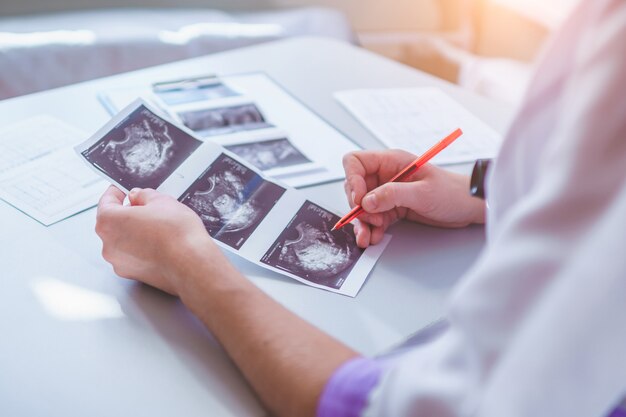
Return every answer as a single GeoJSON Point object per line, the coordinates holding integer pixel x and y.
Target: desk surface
{"type": "Point", "coordinates": [75, 340]}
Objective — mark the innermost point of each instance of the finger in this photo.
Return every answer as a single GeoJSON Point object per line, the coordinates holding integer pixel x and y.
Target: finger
{"type": "Point", "coordinates": [355, 189]}
{"type": "Point", "coordinates": [373, 167]}
{"type": "Point", "coordinates": [394, 194]}
{"type": "Point", "coordinates": [375, 219]}
{"type": "Point", "coordinates": [390, 218]}
{"type": "Point", "coordinates": [352, 164]}
{"type": "Point", "coordinates": [361, 169]}
{"type": "Point", "coordinates": [363, 162]}
{"type": "Point", "coordinates": [112, 197]}
{"type": "Point", "coordinates": [377, 235]}
{"type": "Point", "coordinates": [142, 196]}
{"type": "Point", "coordinates": [371, 182]}
{"type": "Point", "coordinates": [362, 232]}
{"type": "Point", "coordinates": [349, 193]}
{"type": "Point", "coordinates": [423, 172]}
{"type": "Point", "coordinates": [355, 178]}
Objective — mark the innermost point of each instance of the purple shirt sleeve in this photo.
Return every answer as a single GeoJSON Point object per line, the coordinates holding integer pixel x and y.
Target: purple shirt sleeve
{"type": "Point", "coordinates": [618, 412]}
{"type": "Point", "coordinates": [347, 391]}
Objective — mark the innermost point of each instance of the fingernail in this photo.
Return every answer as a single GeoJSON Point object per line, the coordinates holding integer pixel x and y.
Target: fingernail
{"type": "Point", "coordinates": [353, 196]}
{"type": "Point", "coordinates": [132, 195]}
{"type": "Point", "coordinates": [370, 202]}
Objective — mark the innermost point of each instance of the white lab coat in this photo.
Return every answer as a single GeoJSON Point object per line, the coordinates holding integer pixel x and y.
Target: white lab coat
{"type": "Point", "coordinates": [538, 326]}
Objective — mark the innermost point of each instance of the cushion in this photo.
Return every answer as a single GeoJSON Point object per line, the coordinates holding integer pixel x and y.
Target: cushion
{"type": "Point", "coordinates": [42, 52]}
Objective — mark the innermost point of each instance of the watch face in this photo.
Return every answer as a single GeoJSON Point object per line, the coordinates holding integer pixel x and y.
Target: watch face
{"type": "Point", "coordinates": [479, 173]}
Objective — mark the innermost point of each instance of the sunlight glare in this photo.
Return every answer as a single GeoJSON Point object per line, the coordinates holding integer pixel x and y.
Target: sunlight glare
{"type": "Point", "coordinates": [70, 302]}
{"type": "Point", "coordinates": [227, 30]}
{"type": "Point", "coordinates": [33, 39]}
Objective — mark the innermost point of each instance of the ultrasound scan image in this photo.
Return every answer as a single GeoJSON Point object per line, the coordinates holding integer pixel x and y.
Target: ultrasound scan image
{"type": "Point", "coordinates": [142, 150]}
{"type": "Point", "coordinates": [211, 122]}
{"type": "Point", "coordinates": [231, 200]}
{"type": "Point", "coordinates": [193, 92]}
{"type": "Point", "coordinates": [308, 249]}
{"type": "Point", "coordinates": [270, 154]}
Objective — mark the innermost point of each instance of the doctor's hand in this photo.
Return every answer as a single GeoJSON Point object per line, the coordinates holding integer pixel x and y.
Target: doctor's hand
{"type": "Point", "coordinates": [154, 239]}
{"type": "Point", "coordinates": [431, 196]}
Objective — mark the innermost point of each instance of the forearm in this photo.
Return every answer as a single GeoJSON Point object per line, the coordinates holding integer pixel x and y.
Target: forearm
{"type": "Point", "coordinates": [163, 243]}
{"type": "Point", "coordinates": [285, 359]}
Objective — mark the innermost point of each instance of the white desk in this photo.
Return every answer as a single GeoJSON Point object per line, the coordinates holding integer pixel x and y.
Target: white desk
{"type": "Point", "coordinates": [132, 350]}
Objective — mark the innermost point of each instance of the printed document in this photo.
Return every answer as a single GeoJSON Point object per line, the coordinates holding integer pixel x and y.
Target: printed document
{"type": "Point", "coordinates": [417, 118]}
{"type": "Point", "coordinates": [41, 175]}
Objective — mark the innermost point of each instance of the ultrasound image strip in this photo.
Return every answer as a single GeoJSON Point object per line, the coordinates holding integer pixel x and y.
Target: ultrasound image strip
{"type": "Point", "coordinates": [308, 249]}
{"type": "Point", "coordinates": [269, 154]}
{"type": "Point", "coordinates": [232, 200]}
{"type": "Point", "coordinates": [224, 119]}
{"type": "Point", "coordinates": [142, 150]}
{"type": "Point", "coordinates": [188, 92]}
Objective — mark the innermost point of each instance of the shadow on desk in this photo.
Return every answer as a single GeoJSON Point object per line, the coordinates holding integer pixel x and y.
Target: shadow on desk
{"type": "Point", "coordinates": [194, 346]}
{"type": "Point", "coordinates": [412, 281]}
{"type": "Point", "coordinates": [435, 258]}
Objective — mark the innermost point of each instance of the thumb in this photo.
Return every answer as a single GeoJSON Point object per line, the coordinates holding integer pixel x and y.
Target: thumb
{"type": "Point", "coordinates": [142, 196]}
{"type": "Point", "coordinates": [391, 195]}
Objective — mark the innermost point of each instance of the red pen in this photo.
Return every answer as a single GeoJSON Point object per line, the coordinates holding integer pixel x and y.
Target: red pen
{"type": "Point", "coordinates": [404, 174]}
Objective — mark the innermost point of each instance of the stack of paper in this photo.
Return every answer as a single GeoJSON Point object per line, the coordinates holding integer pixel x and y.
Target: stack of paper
{"type": "Point", "coordinates": [41, 175]}
{"type": "Point", "coordinates": [253, 117]}
{"type": "Point", "coordinates": [417, 118]}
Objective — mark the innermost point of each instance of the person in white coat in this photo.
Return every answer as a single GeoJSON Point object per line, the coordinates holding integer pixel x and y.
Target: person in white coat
{"type": "Point", "coordinates": [536, 328]}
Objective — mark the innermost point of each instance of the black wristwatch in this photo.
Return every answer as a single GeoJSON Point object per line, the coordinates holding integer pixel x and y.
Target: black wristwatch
{"type": "Point", "coordinates": [479, 173]}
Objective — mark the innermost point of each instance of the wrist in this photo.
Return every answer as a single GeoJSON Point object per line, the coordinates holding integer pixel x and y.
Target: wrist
{"type": "Point", "coordinates": [203, 276]}
{"type": "Point", "coordinates": [183, 256]}
{"type": "Point", "coordinates": [474, 207]}
{"type": "Point", "coordinates": [479, 210]}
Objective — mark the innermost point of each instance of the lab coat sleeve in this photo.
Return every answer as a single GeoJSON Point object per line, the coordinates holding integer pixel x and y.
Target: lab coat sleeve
{"type": "Point", "coordinates": [537, 326]}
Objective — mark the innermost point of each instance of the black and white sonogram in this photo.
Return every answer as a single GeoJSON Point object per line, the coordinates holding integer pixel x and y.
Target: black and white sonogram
{"type": "Point", "coordinates": [276, 153]}
{"type": "Point", "coordinates": [193, 91]}
{"type": "Point", "coordinates": [231, 200]}
{"type": "Point", "coordinates": [308, 249]}
{"type": "Point", "coordinates": [142, 150]}
{"type": "Point", "coordinates": [210, 122]}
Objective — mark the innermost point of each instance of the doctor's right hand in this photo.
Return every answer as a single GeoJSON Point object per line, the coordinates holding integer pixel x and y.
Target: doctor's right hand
{"type": "Point", "coordinates": [431, 196]}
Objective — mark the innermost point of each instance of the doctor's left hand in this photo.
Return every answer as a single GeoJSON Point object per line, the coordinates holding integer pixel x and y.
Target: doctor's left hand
{"type": "Point", "coordinates": [154, 239]}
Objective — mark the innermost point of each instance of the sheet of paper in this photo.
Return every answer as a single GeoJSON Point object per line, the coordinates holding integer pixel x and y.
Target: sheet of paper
{"type": "Point", "coordinates": [254, 118]}
{"type": "Point", "coordinates": [262, 220]}
{"type": "Point", "coordinates": [415, 119]}
{"type": "Point", "coordinates": [33, 138]}
{"type": "Point", "coordinates": [41, 175]}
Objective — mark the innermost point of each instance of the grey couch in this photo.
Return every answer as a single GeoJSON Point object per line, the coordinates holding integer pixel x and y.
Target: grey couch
{"type": "Point", "coordinates": [42, 52]}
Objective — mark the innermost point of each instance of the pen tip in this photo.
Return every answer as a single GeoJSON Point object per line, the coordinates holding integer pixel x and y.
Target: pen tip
{"type": "Point", "coordinates": [334, 228]}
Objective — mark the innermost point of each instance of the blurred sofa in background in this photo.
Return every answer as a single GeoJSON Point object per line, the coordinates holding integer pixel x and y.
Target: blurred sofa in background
{"type": "Point", "coordinates": [39, 52]}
